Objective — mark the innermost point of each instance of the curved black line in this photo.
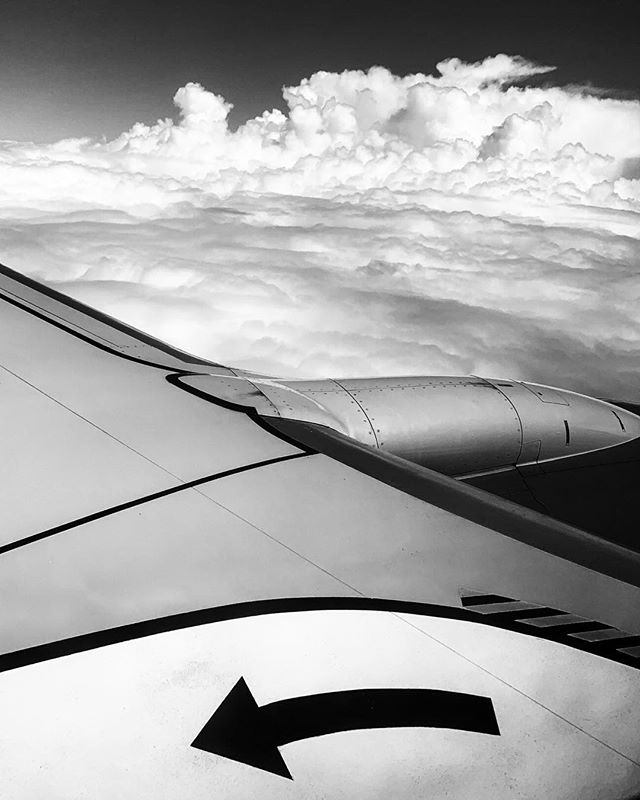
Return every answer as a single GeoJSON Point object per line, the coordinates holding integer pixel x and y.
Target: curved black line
{"type": "Point", "coordinates": [176, 372]}
{"type": "Point", "coordinates": [105, 319]}
{"type": "Point", "coordinates": [36, 537]}
{"type": "Point", "coordinates": [175, 380]}
{"type": "Point", "coordinates": [255, 608]}
{"type": "Point", "coordinates": [82, 336]}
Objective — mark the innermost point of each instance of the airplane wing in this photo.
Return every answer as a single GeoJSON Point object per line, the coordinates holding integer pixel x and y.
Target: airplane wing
{"type": "Point", "coordinates": [201, 598]}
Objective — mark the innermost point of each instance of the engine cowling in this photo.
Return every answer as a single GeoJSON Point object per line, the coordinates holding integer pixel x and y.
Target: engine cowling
{"type": "Point", "coordinates": [456, 425]}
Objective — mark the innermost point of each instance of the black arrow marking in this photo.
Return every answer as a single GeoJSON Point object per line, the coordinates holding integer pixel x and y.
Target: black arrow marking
{"type": "Point", "coordinates": [243, 731]}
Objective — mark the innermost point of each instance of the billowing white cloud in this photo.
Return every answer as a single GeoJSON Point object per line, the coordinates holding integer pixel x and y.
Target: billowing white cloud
{"type": "Point", "coordinates": [452, 223]}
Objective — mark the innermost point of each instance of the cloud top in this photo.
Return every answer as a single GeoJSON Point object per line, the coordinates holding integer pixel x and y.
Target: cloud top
{"type": "Point", "coordinates": [496, 70]}
{"type": "Point", "coordinates": [455, 222]}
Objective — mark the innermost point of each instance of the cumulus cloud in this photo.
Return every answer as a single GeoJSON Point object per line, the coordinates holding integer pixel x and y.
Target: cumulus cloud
{"type": "Point", "coordinates": [449, 223]}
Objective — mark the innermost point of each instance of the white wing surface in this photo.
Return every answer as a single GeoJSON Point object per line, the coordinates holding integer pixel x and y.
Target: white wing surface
{"type": "Point", "coordinates": [159, 544]}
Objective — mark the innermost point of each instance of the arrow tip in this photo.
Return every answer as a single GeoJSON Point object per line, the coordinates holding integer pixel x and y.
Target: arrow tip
{"type": "Point", "coordinates": [237, 731]}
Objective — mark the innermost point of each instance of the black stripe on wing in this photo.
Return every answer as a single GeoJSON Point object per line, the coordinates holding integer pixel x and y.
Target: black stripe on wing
{"type": "Point", "coordinates": [552, 623]}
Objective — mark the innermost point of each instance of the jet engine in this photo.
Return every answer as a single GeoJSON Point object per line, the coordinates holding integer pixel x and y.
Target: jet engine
{"type": "Point", "coordinates": [459, 426]}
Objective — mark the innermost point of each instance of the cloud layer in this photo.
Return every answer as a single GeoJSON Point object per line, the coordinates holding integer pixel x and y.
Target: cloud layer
{"type": "Point", "coordinates": [453, 223]}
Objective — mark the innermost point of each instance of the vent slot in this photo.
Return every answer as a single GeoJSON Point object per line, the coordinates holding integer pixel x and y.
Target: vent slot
{"type": "Point", "coordinates": [618, 418]}
{"type": "Point", "coordinates": [567, 432]}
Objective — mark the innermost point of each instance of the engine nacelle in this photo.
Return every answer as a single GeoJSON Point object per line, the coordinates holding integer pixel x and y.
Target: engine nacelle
{"type": "Point", "coordinates": [456, 425]}
{"type": "Point", "coordinates": [459, 425]}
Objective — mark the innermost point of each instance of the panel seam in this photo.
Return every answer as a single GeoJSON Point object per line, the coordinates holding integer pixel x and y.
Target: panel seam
{"type": "Point", "coordinates": [360, 406]}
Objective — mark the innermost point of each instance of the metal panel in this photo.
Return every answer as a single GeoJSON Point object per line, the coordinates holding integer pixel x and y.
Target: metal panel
{"type": "Point", "coordinates": [543, 432]}
{"type": "Point", "coordinates": [174, 554]}
{"type": "Point", "coordinates": [385, 543]}
{"type": "Point", "coordinates": [546, 394]}
{"type": "Point", "coordinates": [55, 467]}
{"type": "Point", "coordinates": [591, 423]}
{"type": "Point", "coordinates": [333, 396]}
{"type": "Point", "coordinates": [450, 424]}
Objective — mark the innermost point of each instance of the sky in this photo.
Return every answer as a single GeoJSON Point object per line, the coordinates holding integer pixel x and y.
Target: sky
{"type": "Point", "coordinates": [93, 67]}
{"type": "Point", "coordinates": [336, 189]}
